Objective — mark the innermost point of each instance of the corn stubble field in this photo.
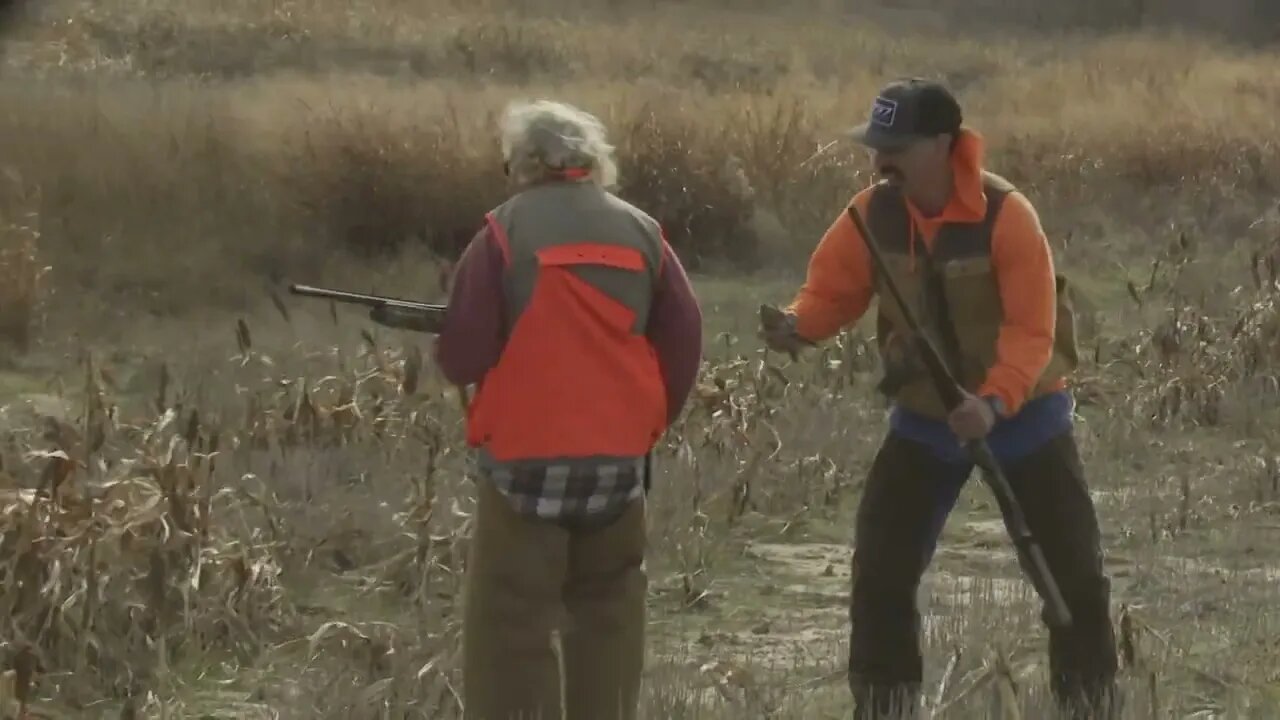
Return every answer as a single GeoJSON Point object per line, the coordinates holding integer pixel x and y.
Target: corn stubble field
{"type": "Point", "coordinates": [219, 504]}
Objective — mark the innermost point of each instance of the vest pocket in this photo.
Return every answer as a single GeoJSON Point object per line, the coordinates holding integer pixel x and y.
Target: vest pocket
{"type": "Point", "coordinates": [974, 305]}
{"type": "Point", "coordinates": [973, 297]}
{"type": "Point", "coordinates": [1066, 356]}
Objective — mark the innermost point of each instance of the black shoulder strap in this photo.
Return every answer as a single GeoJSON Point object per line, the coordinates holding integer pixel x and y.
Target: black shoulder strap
{"type": "Point", "coordinates": [996, 188]}
{"type": "Point", "coordinates": [938, 310]}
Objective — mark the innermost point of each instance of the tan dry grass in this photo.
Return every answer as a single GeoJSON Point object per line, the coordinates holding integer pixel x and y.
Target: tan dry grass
{"type": "Point", "coordinates": [337, 489]}
{"type": "Point", "coordinates": [21, 272]}
{"type": "Point", "coordinates": [1119, 140]}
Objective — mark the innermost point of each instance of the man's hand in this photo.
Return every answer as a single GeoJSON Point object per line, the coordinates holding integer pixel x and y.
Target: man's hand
{"type": "Point", "coordinates": [973, 418]}
{"type": "Point", "coordinates": [778, 330]}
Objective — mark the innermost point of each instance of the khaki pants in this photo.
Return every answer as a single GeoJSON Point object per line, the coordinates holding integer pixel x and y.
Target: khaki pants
{"type": "Point", "coordinates": [523, 576]}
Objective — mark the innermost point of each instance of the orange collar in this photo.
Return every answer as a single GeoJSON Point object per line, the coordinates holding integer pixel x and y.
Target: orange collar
{"type": "Point", "coordinates": [968, 202]}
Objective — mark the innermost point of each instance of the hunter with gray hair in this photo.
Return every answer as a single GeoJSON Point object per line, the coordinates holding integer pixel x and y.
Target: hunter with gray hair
{"type": "Point", "coordinates": [575, 319]}
{"type": "Point", "coordinates": [546, 139]}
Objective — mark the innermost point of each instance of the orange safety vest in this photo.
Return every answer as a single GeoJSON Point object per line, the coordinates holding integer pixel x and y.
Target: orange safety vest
{"type": "Point", "coordinates": [577, 376]}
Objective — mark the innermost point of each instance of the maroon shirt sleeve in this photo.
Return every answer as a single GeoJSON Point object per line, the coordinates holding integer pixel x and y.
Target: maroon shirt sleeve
{"type": "Point", "coordinates": [471, 340]}
{"type": "Point", "coordinates": [675, 331]}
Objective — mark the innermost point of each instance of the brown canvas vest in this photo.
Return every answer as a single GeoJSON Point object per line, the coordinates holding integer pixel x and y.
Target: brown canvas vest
{"type": "Point", "coordinates": [957, 281]}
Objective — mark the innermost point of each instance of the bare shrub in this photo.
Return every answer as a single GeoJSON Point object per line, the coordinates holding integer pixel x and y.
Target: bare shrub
{"type": "Point", "coordinates": [21, 272]}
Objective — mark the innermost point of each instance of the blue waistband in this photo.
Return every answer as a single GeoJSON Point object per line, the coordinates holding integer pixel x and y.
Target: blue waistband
{"type": "Point", "coordinates": [1039, 421]}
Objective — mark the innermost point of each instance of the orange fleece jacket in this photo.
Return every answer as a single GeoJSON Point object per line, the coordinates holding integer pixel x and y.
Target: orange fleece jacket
{"type": "Point", "coordinates": [838, 290]}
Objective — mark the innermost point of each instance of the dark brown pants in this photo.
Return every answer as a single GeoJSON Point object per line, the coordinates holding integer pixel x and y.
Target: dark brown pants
{"type": "Point", "coordinates": [523, 576]}
{"type": "Point", "coordinates": [906, 501]}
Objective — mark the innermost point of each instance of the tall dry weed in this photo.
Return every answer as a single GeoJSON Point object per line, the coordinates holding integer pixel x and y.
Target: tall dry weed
{"type": "Point", "coordinates": [373, 182]}
{"type": "Point", "coordinates": [308, 532]}
{"type": "Point", "coordinates": [733, 141]}
{"type": "Point", "coordinates": [21, 270]}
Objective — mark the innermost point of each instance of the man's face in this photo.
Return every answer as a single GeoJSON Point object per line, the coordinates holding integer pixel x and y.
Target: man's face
{"type": "Point", "coordinates": [903, 167]}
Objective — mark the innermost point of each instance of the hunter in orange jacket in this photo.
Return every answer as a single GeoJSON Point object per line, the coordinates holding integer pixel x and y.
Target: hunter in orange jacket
{"type": "Point", "coordinates": [964, 246]}
{"type": "Point", "coordinates": [838, 289]}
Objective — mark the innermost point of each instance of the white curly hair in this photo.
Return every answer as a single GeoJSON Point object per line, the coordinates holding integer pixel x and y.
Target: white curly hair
{"type": "Point", "coordinates": [543, 138]}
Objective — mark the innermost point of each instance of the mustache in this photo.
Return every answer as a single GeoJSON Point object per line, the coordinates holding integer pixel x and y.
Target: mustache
{"type": "Point", "coordinates": [889, 170]}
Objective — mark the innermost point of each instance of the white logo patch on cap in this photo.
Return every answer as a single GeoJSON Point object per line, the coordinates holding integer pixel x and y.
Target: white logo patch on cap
{"type": "Point", "coordinates": [883, 111]}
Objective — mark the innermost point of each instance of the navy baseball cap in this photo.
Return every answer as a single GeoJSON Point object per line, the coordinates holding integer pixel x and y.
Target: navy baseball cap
{"type": "Point", "coordinates": [906, 111]}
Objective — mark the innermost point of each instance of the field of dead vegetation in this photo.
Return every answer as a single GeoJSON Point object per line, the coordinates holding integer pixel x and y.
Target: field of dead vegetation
{"type": "Point", "coordinates": [217, 501]}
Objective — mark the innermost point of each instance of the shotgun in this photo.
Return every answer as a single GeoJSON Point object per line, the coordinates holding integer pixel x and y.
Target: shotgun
{"type": "Point", "coordinates": [391, 312]}
{"type": "Point", "coordinates": [950, 393]}
{"type": "Point", "coordinates": [388, 311]}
